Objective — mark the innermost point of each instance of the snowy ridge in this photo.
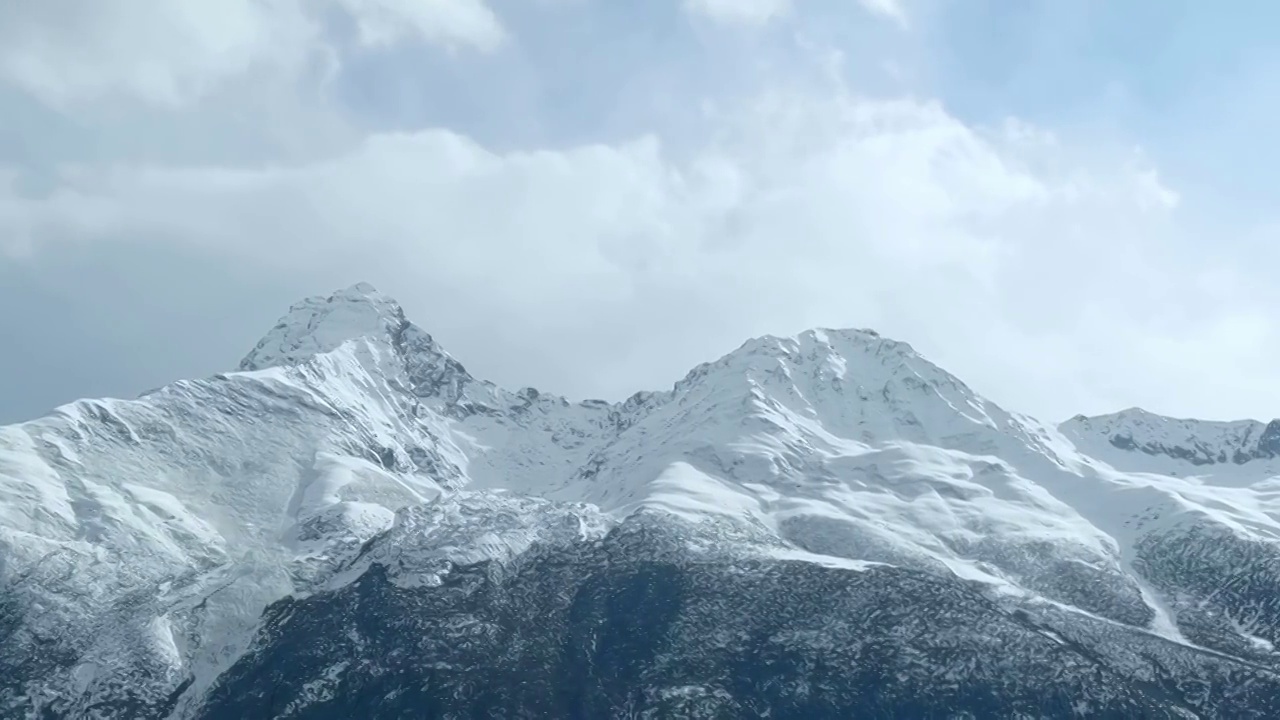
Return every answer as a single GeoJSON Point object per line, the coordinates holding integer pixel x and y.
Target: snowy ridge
{"type": "Point", "coordinates": [323, 323]}
{"type": "Point", "coordinates": [1197, 442]}
{"type": "Point", "coordinates": [161, 529]}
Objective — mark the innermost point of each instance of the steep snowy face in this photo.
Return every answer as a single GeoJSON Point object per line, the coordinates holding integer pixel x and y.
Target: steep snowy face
{"type": "Point", "coordinates": [323, 323]}
{"type": "Point", "coordinates": [854, 382]}
{"type": "Point", "coordinates": [1135, 433]}
{"type": "Point", "coordinates": [785, 410]}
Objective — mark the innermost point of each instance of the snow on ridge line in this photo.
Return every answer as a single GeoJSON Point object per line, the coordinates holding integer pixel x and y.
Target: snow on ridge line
{"type": "Point", "coordinates": [321, 323]}
{"type": "Point", "coordinates": [1136, 417]}
{"type": "Point", "coordinates": [1185, 440]}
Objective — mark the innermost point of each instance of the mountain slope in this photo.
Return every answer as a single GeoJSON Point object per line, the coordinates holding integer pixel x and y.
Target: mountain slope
{"type": "Point", "coordinates": [815, 526]}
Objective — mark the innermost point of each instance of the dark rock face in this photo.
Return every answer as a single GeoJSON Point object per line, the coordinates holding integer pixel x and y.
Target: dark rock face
{"type": "Point", "coordinates": [1269, 441]}
{"type": "Point", "coordinates": [1196, 455]}
{"type": "Point", "coordinates": [33, 651]}
{"type": "Point", "coordinates": [1226, 586]}
{"type": "Point", "coordinates": [663, 619]}
{"type": "Point", "coordinates": [635, 626]}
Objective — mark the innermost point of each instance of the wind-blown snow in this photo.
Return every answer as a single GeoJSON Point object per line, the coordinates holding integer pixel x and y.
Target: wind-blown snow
{"type": "Point", "coordinates": [348, 435]}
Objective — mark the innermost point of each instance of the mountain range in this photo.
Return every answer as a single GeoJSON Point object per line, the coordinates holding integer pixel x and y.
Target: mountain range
{"type": "Point", "coordinates": [822, 526]}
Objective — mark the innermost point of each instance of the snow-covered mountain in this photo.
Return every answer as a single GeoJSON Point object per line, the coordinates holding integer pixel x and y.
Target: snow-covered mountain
{"type": "Point", "coordinates": [1198, 442]}
{"type": "Point", "coordinates": [351, 525]}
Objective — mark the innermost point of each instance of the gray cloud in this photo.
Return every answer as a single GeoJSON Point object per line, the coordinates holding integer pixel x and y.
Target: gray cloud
{"type": "Point", "coordinates": [554, 230]}
{"type": "Point", "coordinates": [117, 320]}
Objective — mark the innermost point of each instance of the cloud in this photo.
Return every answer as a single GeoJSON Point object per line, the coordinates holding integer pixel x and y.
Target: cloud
{"type": "Point", "coordinates": [741, 12]}
{"type": "Point", "coordinates": [1051, 278]}
{"type": "Point", "coordinates": [761, 12]}
{"type": "Point", "coordinates": [171, 53]}
{"type": "Point", "coordinates": [65, 51]}
{"type": "Point", "coordinates": [447, 22]}
{"type": "Point", "coordinates": [593, 228]}
{"type": "Point", "coordinates": [892, 9]}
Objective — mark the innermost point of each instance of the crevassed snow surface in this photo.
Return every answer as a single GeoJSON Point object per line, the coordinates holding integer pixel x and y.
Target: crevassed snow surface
{"type": "Point", "coordinates": [161, 527]}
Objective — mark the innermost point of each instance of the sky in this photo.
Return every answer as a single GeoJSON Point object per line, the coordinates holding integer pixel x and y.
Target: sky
{"type": "Point", "coordinates": [1071, 206]}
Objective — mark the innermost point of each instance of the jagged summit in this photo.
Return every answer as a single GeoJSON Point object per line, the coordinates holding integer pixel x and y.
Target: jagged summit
{"type": "Point", "coordinates": [858, 356]}
{"type": "Point", "coordinates": [855, 379]}
{"type": "Point", "coordinates": [321, 323]}
{"type": "Point", "coordinates": [879, 385]}
{"type": "Point", "coordinates": [417, 363]}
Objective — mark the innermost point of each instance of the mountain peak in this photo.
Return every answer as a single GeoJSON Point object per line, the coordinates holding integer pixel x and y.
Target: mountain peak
{"type": "Point", "coordinates": [872, 358]}
{"type": "Point", "coordinates": [855, 381]}
{"type": "Point", "coordinates": [321, 323]}
{"type": "Point", "coordinates": [1199, 442]}
{"type": "Point", "coordinates": [817, 342]}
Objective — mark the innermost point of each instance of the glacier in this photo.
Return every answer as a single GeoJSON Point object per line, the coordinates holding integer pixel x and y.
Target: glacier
{"type": "Point", "coordinates": [825, 525]}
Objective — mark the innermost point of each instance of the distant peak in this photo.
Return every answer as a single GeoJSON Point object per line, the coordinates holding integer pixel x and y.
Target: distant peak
{"type": "Point", "coordinates": [1127, 416]}
{"type": "Point", "coordinates": [848, 342]}
{"type": "Point", "coordinates": [1199, 442]}
{"type": "Point", "coordinates": [864, 338]}
{"type": "Point", "coordinates": [858, 356]}
{"type": "Point", "coordinates": [836, 339]}
{"type": "Point", "coordinates": [1139, 415]}
{"type": "Point", "coordinates": [322, 323]}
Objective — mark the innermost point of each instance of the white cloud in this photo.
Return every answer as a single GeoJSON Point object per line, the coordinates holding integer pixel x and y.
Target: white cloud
{"type": "Point", "coordinates": [1054, 283]}
{"type": "Point", "coordinates": [760, 12]}
{"type": "Point", "coordinates": [743, 12]}
{"type": "Point", "coordinates": [65, 51]}
{"type": "Point", "coordinates": [892, 9]}
{"type": "Point", "coordinates": [169, 53]}
{"type": "Point", "coordinates": [448, 22]}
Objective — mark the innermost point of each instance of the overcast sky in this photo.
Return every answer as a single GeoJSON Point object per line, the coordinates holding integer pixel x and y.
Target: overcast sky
{"type": "Point", "coordinates": [1070, 205]}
